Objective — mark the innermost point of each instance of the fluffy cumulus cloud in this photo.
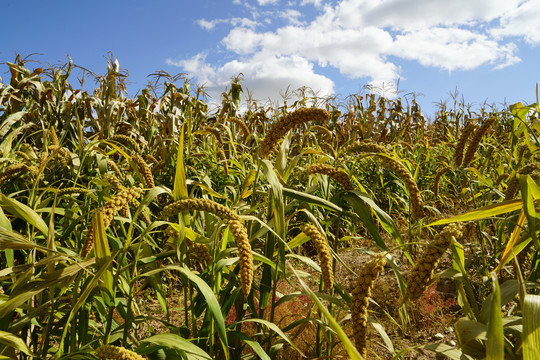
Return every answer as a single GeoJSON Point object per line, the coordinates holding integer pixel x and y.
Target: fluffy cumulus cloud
{"type": "Point", "coordinates": [265, 74]}
{"type": "Point", "coordinates": [362, 39]}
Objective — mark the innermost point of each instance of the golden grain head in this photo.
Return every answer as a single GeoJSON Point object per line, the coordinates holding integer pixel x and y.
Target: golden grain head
{"type": "Point", "coordinates": [325, 256]}
{"type": "Point", "coordinates": [126, 140]}
{"type": "Point", "coordinates": [460, 146]}
{"type": "Point", "coordinates": [475, 140]}
{"type": "Point", "coordinates": [244, 253]}
{"type": "Point", "coordinates": [200, 205]}
{"type": "Point", "coordinates": [117, 353]}
{"type": "Point", "coordinates": [215, 132]}
{"type": "Point", "coordinates": [365, 147]}
{"type": "Point", "coordinates": [422, 273]}
{"type": "Point", "coordinates": [360, 299]}
{"type": "Point", "coordinates": [280, 128]}
{"type": "Point", "coordinates": [145, 170]}
{"type": "Point", "coordinates": [338, 175]}
{"type": "Point", "coordinates": [12, 170]}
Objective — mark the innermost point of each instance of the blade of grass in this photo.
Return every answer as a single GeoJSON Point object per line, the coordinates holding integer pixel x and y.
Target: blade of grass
{"type": "Point", "coordinates": [15, 342]}
{"type": "Point", "coordinates": [483, 212]}
{"type": "Point", "coordinates": [173, 341]}
{"type": "Point", "coordinates": [349, 347]}
{"type": "Point", "coordinates": [495, 335]}
{"type": "Point", "coordinates": [531, 327]}
{"type": "Point", "coordinates": [24, 212]}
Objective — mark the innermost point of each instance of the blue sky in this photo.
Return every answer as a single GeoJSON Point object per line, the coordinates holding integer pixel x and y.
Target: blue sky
{"type": "Point", "coordinates": [487, 50]}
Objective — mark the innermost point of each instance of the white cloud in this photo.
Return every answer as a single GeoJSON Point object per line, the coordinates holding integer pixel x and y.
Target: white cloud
{"type": "Point", "coordinates": [237, 21]}
{"type": "Point", "coordinates": [266, 2]}
{"type": "Point", "coordinates": [414, 14]}
{"type": "Point", "coordinates": [265, 75]}
{"type": "Point", "coordinates": [522, 21]}
{"type": "Point", "coordinates": [207, 25]}
{"type": "Point", "coordinates": [365, 39]}
{"type": "Point", "coordinates": [316, 3]}
{"type": "Point", "coordinates": [453, 49]}
{"type": "Point", "coordinates": [292, 16]}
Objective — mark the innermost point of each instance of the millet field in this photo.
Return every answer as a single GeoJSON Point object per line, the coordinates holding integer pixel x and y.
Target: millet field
{"type": "Point", "coordinates": [161, 226]}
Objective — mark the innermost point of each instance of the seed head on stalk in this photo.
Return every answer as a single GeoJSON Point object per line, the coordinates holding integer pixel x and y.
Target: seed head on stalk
{"type": "Point", "coordinates": [360, 300]}
{"type": "Point", "coordinates": [394, 165]}
{"type": "Point", "coordinates": [460, 146]}
{"type": "Point", "coordinates": [126, 140]}
{"type": "Point", "coordinates": [475, 140]}
{"type": "Point", "coordinates": [339, 175]}
{"type": "Point", "coordinates": [512, 187]}
{"type": "Point", "coordinates": [280, 128]}
{"type": "Point", "coordinates": [144, 170]}
{"type": "Point", "coordinates": [438, 176]}
{"type": "Point", "coordinates": [12, 170]}
{"type": "Point", "coordinates": [422, 273]}
{"type": "Point", "coordinates": [365, 147]}
{"type": "Point", "coordinates": [244, 253]}
{"type": "Point", "coordinates": [201, 250]}
{"type": "Point", "coordinates": [117, 353]}
{"type": "Point", "coordinates": [200, 205]}
{"type": "Point", "coordinates": [109, 210]}
{"type": "Point", "coordinates": [325, 257]}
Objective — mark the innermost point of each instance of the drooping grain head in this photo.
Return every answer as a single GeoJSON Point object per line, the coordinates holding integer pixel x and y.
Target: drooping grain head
{"type": "Point", "coordinates": [115, 168]}
{"type": "Point", "coordinates": [360, 300]}
{"type": "Point", "coordinates": [72, 190]}
{"type": "Point", "coordinates": [338, 175]}
{"type": "Point", "coordinates": [394, 165]}
{"type": "Point", "coordinates": [325, 257]}
{"type": "Point", "coordinates": [53, 136]}
{"type": "Point", "coordinates": [200, 205]}
{"type": "Point", "coordinates": [460, 146]}
{"type": "Point", "coordinates": [11, 171]}
{"type": "Point", "coordinates": [223, 159]}
{"type": "Point", "coordinates": [244, 253]}
{"type": "Point", "coordinates": [215, 132]}
{"type": "Point", "coordinates": [280, 128]}
{"type": "Point", "coordinates": [117, 353]}
{"type": "Point", "coordinates": [422, 273]}
{"type": "Point", "coordinates": [365, 147]}
{"type": "Point", "coordinates": [241, 124]}
{"type": "Point", "coordinates": [475, 140]}
{"type": "Point", "coordinates": [512, 187]}
{"type": "Point", "coordinates": [109, 210]}
{"type": "Point", "coordinates": [128, 141]}
{"type": "Point", "coordinates": [144, 169]}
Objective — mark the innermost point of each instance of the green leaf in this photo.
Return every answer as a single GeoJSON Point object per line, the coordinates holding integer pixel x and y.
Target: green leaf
{"type": "Point", "coordinates": [102, 252]}
{"type": "Point", "coordinates": [364, 213]}
{"type": "Point", "coordinates": [176, 342]}
{"type": "Point", "coordinates": [529, 192]}
{"type": "Point", "coordinates": [4, 221]}
{"type": "Point", "coordinates": [257, 348]}
{"type": "Point", "coordinates": [180, 187]}
{"type": "Point", "coordinates": [246, 183]}
{"type": "Point", "coordinates": [531, 327]}
{"type": "Point", "coordinates": [495, 333]}
{"type": "Point", "coordinates": [349, 347]}
{"type": "Point", "coordinates": [14, 241]}
{"type": "Point", "coordinates": [206, 291]}
{"type": "Point", "coordinates": [24, 212]}
{"type": "Point", "coordinates": [311, 199]}
{"type": "Point", "coordinates": [274, 328]}
{"type": "Point", "coordinates": [32, 288]}
{"type": "Point", "coordinates": [15, 342]}
{"type": "Point", "coordinates": [10, 121]}
{"type": "Point", "coordinates": [483, 212]}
